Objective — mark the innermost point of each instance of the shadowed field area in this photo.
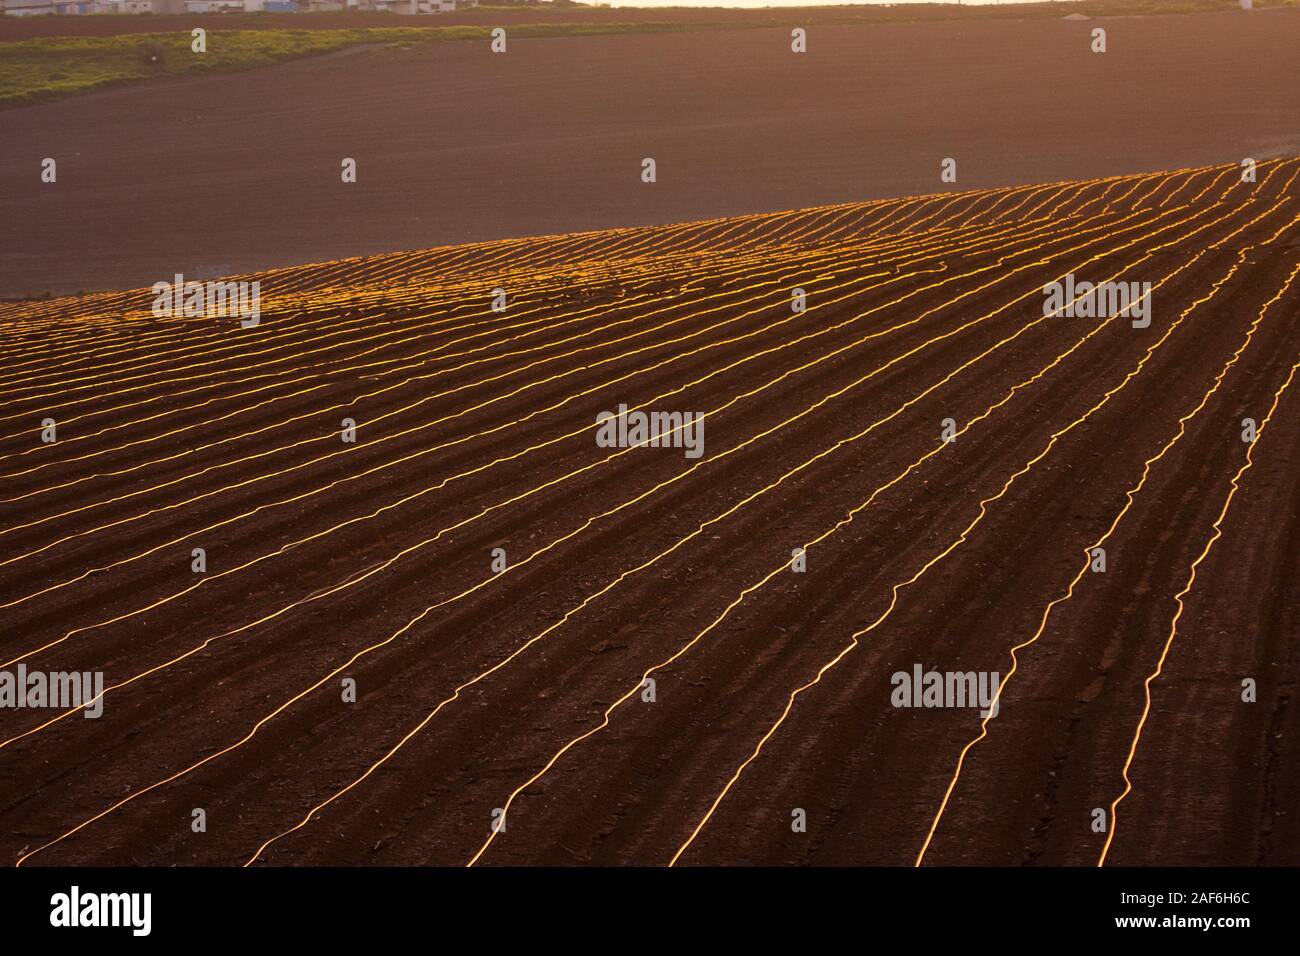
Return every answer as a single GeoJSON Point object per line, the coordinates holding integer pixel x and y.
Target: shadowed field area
{"type": "Point", "coordinates": [218, 174]}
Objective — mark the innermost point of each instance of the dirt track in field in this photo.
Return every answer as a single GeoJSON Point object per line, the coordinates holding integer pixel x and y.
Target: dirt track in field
{"type": "Point", "coordinates": [213, 175]}
{"type": "Point", "coordinates": [524, 689]}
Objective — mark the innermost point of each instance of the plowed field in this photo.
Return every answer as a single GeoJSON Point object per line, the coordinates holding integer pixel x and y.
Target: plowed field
{"type": "Point", "coordinates": [644, 673]}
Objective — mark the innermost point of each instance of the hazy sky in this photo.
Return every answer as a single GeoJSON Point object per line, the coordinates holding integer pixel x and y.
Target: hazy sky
{"type": "Point", "coordinates": [756, 3]}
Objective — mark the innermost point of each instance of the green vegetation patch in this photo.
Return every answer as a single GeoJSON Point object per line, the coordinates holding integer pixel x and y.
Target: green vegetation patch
{"type": "Point", "coordinates": [52, 67]}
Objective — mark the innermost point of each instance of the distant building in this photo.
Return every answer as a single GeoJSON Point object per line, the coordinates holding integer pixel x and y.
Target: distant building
{"type": "Point", "coordinates": [412, 6]}
{"type": "Point", "coordinates": [29, 8]}
{"type": "Point", "coordinates": [220, 6]}
{"type": "Point", "coordinates": [136, 6]}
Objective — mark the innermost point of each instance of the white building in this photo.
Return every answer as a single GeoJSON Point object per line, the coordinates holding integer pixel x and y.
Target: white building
{"type": "Point", "coordinates": [412, 6]}
{"type": "Point", "coordinates": [222, 6]}
{"type": "Point", "coordinates": [136, 6]}
{"type": "Point", "coordinates": [29, 8]}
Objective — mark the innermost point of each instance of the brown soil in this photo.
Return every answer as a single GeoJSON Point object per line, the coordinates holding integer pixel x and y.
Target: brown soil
{"type": "Point", "coordinates": [176, 434]}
